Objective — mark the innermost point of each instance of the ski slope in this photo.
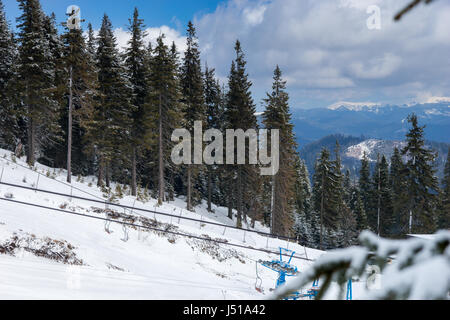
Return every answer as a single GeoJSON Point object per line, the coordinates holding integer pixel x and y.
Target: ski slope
{"type": "Point", "coordinates": [117, 262]}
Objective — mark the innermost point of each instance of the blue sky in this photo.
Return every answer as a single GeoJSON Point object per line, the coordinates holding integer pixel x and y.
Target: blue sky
{"type": "Point", "coordinates": [326, 49]}
{"type": "Point", "coordinates": [173, 13]}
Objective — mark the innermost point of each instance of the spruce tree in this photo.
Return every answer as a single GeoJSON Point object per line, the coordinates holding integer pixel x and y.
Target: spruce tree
{"type": "Point", "coordinates": [79, 87]}
{"type": "Point", "coordinates": [360, 213]}
{"type": "Point", "coordinates": [302, 202]}
{"type": "Point", "coordinates": [214, 118]}
{"type": "Point", "coordinates": [382, 214]}
{"type": "Point", "coordinates": [35, 79]}
{"type": "Point", "coordinates": [365, 185]}
{"type": "Point", "coordinates": [345, 215]}
{"type": "Point", "coordinates": [163, 102]}
{"type": "Point", "coordinates": [193, 100]}
{"type": "Point", "coordinates": [111, 124]}
{"type": "Point", "coordinates": [444, 218]}
{"type": "Point", "coordinates": [240, 114]}
{"type": "Point", "coordinates": [421, 182]}
{"type": "Point", "coordinates": [138, 72]}
{"type": "Point", "coordinates": [324, 195]}
{"type": "Point", "coordinates": [277, 116]}
{"type": "Point", "coordinates": [347, 188]}
{"type": "Point", "coordinates": [399, 193]}
{"type": "Point", "coordinates": [8, 57]}
{"type": "Point", "coordinates": [91, 41]}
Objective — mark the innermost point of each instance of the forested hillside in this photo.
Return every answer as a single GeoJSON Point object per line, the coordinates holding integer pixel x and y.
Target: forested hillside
{"type": "Point", "coordinates": [73, 100]}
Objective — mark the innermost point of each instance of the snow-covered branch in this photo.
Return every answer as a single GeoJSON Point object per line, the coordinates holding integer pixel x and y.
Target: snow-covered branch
{"type": "Point", "coordinates": [411, 269]}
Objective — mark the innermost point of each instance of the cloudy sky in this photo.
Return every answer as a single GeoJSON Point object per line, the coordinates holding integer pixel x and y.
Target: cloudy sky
{"type": "Point", "coordinates": [329, 50]}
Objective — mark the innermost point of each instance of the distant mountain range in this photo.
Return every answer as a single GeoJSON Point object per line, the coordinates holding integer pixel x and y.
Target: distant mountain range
{"type": "Point", "coordinates": [353, 148]}
{"type": "Point", "coordinates": [371, 121]}
{"type": "Point", "coordinates": [370, 127]}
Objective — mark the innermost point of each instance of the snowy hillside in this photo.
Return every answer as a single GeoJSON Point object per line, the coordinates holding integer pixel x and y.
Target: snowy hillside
{"type": "Point", "coordinates": [372, 148]}
{"type": "Point", "coordinates": [54, 254]}
{"type": "Point", "coordinates": [353, 148]}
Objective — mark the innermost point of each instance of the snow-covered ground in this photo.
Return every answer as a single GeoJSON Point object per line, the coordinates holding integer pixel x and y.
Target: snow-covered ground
{"type": "Point", "coordinates": [129, 263]}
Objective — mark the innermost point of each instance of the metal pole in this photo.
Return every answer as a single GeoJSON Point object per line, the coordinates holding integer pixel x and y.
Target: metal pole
{"type": "Point", "coordinates": [37, 182]}
{"type": "Point", "coordinates": [132, 210]}
{"type": "Point", "coordinates": [1, 177]}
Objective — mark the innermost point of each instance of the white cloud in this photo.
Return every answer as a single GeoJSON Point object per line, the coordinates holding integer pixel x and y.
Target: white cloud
{"type": "Point", "coordinates": [255, 16]}
{"type": "Point", "coordinates": [376, 68]}
{"type": "Point", "coordinates": [326, 50]}
{"type": "Point", "coordinates": [171, 35]}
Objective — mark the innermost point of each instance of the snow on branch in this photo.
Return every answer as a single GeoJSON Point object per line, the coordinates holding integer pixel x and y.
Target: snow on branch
{"type": "Point", "coordinates": [415, 269]}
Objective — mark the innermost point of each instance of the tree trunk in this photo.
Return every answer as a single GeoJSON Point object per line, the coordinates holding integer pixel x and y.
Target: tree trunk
{"type": "Point", "coordinates": [239, 199]}
{"type": "Point", "coordinates": [107, 177]}
{"type": "Point", "coordinates": [161, 160]}
{"type": "Point", "coordinates": [69, 128]}
{"type": "Point", "coordinates": [230, 201]}
{"type": "Point", "coordinates": [100, 172]}
{"type": "Point", "coordinates": [321, 212]}
{"type": "Point", "coordinates": [209, 191]}
{"type": "Point", "coordinates": [31, 141]}
{"type": "Point", "coordinates": [133, 173]}
{"type": "Point", "coordinates": [189, 188]}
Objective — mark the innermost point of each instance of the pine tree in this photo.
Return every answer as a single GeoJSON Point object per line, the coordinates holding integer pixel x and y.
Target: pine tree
{"type": "Point", "coordinates": [360, 213]}
{"type": "Point", "coordinates": [80, 89]}
{"type": "Point", "coordinates": [8, 57]}
{"type": "Point", "coordinates": [444, 218]}
{"type": "Point", "coordinates": [277, 116]}
{"type": "Point", "coordinates": [342, 233]}
{"type": "Point", "coordinates": [381, 218]}
{"type": "Point", "coordinates": [53, 152]}
{"type": "Point", "coordinates": [302, 202]}
{"type": "Point", "coordinates": [347, 233]}
{"type": "Point", "coordinates": [399, 193]}
{"type": "Point", "coordinates": [214, 120]}
{"type": "Point", "coordinates": [36, 76]}
{"type": "Point", "coordinates": [91, 42]}
{"type": "Point", "coordinates": [193, 100]}
{"type": "Point", "coordinates": [138, 72]}
{"type": "Point", "coordinates": [111, 124]}
{"type": "Point", "coordinates": [324, 195]}
{"type": "Point", "coordinates": [421, 182]}
{"type": "Point", "coordinates": [365, 185]}
{"type": "Point", "coordinates": [337, 168]}
{"type": "Point", "coordinates": [347, 189]}
{"type": "Point", "coordinates": [163, 103]}
{"type": "Point", "coordinates": [348, 224]}
{"type": "Point", "coordinates": [240, 114]}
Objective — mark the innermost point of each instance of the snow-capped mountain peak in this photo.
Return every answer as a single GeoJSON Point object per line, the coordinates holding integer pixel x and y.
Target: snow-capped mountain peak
{"type": "Point", "coordinates": [354, 106]}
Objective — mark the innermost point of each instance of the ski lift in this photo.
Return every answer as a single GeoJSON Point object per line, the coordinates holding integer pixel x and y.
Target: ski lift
{"type": "Point", "coordinates": [258, 282]}
{"type": "Point", "coordinates": [125, 233]}
{"type": "Point", "coordinates": [314, 291]}
{"type": "Point", "coordinates": [284, 269]}
{"type": "Point", "coordinates": [350, 289]}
